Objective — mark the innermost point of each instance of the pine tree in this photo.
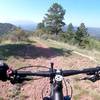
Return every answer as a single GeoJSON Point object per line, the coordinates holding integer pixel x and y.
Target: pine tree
{"type": "Point", "coordinates": [53, 20]}
{"type": "Point", "coordinates": [40, 25]}
{"type": "Point", "coordinates": [70, 32]}
{"type": "Point", "coordinates": [82, 35]}
{"type": "Point", "coordinates": [69, 35]}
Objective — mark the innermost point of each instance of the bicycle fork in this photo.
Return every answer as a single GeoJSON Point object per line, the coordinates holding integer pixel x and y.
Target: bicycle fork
{"type": "Point", "coordinates": [57, 89]}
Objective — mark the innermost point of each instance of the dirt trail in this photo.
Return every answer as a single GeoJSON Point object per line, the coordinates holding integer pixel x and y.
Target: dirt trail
{"type": "Point", "coordinates": [32, 90]}
{"type": "Point", "coordinates": [91, 58]}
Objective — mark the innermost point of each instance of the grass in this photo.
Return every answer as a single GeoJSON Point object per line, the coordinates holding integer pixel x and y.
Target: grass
{"type": "Point", "coordinates": [13, 52]}
{"type": "Point", "coordinates": [1, 98]}
{"type": "Point", "coordinates": [55, 45]}
{"type": "Point", "coordinates": [63, 52]}
{"type": "Point", "coordinates": [80, 91]}
{"type": "Point", "coordinates": [8, 48]}
{"type": "Point", "coordinates": [16, 89]}
{"type": "Point", "coordinates": [16, 63]}
{"type": "Point", "coordinates": [93, 54]}
{"type": "Point", "coordinates": [25, 50]}
{"type": "Point", "coordinates": [15, 93]}
{"type": "Point", "coordinates": [96, 96]}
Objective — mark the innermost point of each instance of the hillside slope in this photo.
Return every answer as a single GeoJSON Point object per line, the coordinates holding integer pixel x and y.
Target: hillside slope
{"type": "Point", "coordinates": [42, 52]}
{"type": "Point", "coordinates": [6, 27]}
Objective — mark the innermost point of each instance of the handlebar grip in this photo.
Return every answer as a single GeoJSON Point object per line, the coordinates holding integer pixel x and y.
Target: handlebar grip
{"type": "Point", "coordinates": [30, 73]}
{"type": "Point", "coordinates": [91, 71]}
{"type": "Point", "coordinates": [3, 71]}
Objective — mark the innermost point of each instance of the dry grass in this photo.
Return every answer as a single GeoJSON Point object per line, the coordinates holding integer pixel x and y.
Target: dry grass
{"type": "Point", "coordinates": [91, 54]}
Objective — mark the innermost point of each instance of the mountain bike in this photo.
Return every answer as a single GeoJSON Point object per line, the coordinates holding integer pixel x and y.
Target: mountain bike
{"type": "Point", "coordinates": [56, 77]}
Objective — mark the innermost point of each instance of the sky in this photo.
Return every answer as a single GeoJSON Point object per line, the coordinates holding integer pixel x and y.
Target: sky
{"type": "Point", "coordinates": [77, 11]}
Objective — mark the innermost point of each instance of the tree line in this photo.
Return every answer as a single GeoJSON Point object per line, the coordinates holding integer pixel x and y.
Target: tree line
{"type": "Point", "coordinates": [53, 24]}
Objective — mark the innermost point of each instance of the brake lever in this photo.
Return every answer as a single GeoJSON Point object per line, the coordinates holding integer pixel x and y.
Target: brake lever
{"type": "Point", "coordinates": [19, 79]}
{"type": "Point", "coordinates": [93, 78]}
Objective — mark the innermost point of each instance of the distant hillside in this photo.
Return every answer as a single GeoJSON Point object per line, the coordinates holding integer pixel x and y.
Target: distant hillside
{"type": "Point", "coordinates": [95, 32]}
{"type": "Point", "coordinates": [28, 27]}
{"type": "Point", "coordinates": [6, 27]}
{"type": "Point", "coordinates": [25, 25]}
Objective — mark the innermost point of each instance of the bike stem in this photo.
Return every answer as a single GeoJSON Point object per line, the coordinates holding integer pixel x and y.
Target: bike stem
{"type": "Point", "coordinates": [51, 70]}
{"type": "Point", "coordinates": [56, 85]}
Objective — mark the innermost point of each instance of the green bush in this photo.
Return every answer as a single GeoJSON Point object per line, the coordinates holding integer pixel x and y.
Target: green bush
{"type": "Point", "coordinates": [16, 35]}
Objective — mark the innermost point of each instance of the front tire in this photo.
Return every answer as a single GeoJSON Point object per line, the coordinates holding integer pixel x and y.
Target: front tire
{"type": "Point", "coordinates": [46, 98]}
{"type": "Point", "coordinates": [67, 98]}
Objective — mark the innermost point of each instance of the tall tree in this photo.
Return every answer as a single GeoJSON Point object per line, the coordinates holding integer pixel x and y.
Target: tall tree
{"type": "Point", "coordinates": [70, 32]}
{"type": "Point", "coordinates": [53, 20]}
{"type": "Point", "coordinates": [69, 35]}
{"type": "Point", "coordinates": [82, 34]}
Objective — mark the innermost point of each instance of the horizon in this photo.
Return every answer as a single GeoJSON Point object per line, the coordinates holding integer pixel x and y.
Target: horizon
{"type": "Point", "coordinates": [21, 23]}
{"type": "Point", "coordinates": [77, 11]}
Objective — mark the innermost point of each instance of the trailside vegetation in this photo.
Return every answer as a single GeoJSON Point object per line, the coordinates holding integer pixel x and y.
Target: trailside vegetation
{"type": "Point", "coordinates": [54, 27]}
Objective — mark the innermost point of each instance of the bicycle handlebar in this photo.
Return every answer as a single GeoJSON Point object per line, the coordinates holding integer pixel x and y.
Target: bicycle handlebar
{"type": "Point", "coordinates": [88, 71]}
{"type": "Point", "coordinates": [19, 75]}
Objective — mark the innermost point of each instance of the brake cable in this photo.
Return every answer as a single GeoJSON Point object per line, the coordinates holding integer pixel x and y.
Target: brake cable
{"type": "Point", "coordinates": [32, 66]}
{"type": "Point", "coordinates": [67, 81]}
{"type": "Point", "coordinates": [66, 86]}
